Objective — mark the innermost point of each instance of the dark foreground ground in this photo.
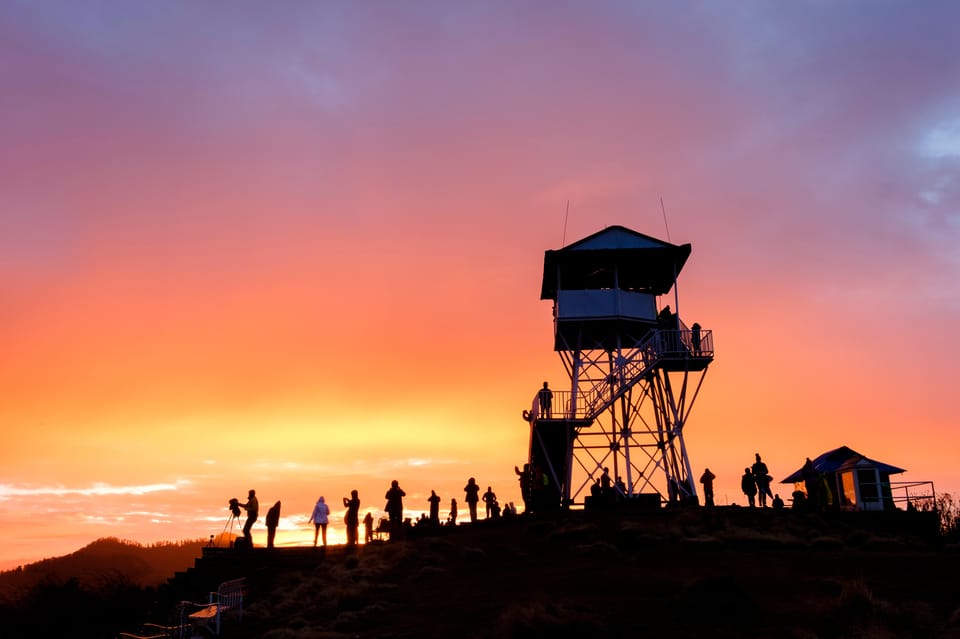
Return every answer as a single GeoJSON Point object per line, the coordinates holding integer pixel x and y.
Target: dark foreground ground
{"type": "Point", "coordinates": [697, 573]}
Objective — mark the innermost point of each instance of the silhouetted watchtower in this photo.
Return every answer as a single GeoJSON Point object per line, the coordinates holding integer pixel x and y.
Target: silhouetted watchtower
{"type": "Point", "coordinates": [635, 370]}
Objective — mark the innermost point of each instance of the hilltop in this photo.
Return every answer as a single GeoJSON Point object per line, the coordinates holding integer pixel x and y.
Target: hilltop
{"type": "Point", "coordinates": [722, 573]}
{"type": "Point", "coordinates": [725, 572]}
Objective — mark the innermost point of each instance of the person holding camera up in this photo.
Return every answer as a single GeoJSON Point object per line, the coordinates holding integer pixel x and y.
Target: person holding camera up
{"type": "Point", "coordinates": [352, 517]}
{"type": "Point", "coordinates": [253, 511]}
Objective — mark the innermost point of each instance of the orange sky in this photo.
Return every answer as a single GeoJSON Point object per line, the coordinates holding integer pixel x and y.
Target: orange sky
{"type": "Point", "coordinates": [301, 250]}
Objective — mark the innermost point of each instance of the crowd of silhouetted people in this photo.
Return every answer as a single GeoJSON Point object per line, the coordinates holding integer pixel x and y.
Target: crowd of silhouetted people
{"type": "Point", "coordinates": [538, 494]}
{"type": "Point", "coordinates": [392, 526]}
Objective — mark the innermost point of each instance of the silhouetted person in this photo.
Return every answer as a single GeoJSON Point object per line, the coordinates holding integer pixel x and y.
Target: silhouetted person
{"type": "Point", "coordinates": [748, 485]}
{"type": "Point", "coordinates": [526, 484]}
{"type": "Point", "coordinates": [606, 482]}
{"type": "Point", "coordinates": [473, 497]}
{"type": "Point", "coordinates": [667, 321]}
{"type": "Point", "coordinates": [352, 518]}
{"type": "Point", "coordinates": [320, 518]}
{"type": "Point", "coordinates": [368, 528]}
{"type": "Point", "coordinates": [777, 502]}
{"type": "Point", "coordinates": [596, 491]}
{"type": "Point", "coordinates": [490, 499]}
{"type": "Point", "coordinates": [621, 487]}
{"type": "Point", "coordinates": [272, 520]}
{"type": "Point", "coordinates": [434, 501]}
{"type": "Point", "coordinates": [452, 518]}
{"type": "Point", "coordinates": [695, 339]}
{"type": "Point", "coordinates": [762, 477]}
{"type": "Point", "coordinates": [545, 396]}
{"type": "Point", "coordinates": [799, 500]}
{"type": "Point", "coordinates": [811, 482]}
{"type": "Point", "coordinates": [394, 497]}
{"type": "Point", "coordinates": [707, 480]}
{"type": "Point", "coordinates": [673, 490]}
{"type": "Point", "coordinates": [253, 512]}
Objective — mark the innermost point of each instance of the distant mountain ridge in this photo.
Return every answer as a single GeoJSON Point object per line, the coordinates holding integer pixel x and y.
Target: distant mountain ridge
{"type": "Point", "coordinates": [105, 560]}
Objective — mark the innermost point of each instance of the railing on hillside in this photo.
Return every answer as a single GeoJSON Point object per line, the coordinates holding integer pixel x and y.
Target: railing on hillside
{"type": "Point", "coordinates": [918, 495]}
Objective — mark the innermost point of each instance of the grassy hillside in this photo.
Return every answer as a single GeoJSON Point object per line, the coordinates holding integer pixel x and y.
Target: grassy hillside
{"type": "Point", "coordinates": [697, 573]}
{"type": "Point", "coordinates": [726, 572]}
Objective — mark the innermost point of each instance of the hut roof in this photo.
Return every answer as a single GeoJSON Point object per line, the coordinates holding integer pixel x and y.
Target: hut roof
{"type": "Point", "coordinates": [841, 459]}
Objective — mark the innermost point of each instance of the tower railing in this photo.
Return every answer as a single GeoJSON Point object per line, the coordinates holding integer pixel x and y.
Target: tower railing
{"type": "Point", "coordinates": [660, 346]}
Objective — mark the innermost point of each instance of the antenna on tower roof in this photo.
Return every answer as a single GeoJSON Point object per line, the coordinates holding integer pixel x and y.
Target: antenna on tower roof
{"type": "Point", "coordinates": [563, 241]}
{"type": "Point", "coordinates": [664, 211]}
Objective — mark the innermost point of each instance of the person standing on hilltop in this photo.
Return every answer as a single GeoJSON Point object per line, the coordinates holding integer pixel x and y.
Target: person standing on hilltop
{"type": "Point", "coordinates": [748, 485]}
{"type": "Point", "coordinates": [489, 498]}
{"type": "Point", "coordinates": [272, 521]}
{"type": "Point", "coordinates": [526, 484]}
{"type": "Point", "coordinates": [473, 497]}
{"type": "Point", "coordinates": [452, 517]}
{"type": "Point", "coordinates": [707, 480]}
{"type": "Point", "coordinates": [394, 497]}
{"type": "Point", "coordinates": [320, 518]}
{"type": "Point", "coordinates": [434, 501]}
{"type": "Point", "coordinates": [253, 512]}
{"type": "Point", "coordinates": [368, 528]}
{"type": "Point", "coordinates": [352, 517]}
{"type": "Point", "coordinates": [762, 476]}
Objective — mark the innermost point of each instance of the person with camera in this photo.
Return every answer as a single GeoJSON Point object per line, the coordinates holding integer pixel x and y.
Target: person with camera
{"type": "Point", "coordinates": [352, 517]}
{"type": "Point", "coordinates": [253, 511]}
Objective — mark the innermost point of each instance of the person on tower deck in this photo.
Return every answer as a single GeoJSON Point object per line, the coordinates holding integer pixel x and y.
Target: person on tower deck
{"type": "Point", "coordinates": [253, 512]}
{"type": "Point", "coordinates": [695, 339]}
{"type": "Point", "coordinates": [667, 322]}
{"type": "Point", "coordinates": [394, 508]}
{"type": "Point", "coordinates": [707, 480]}
{"type": "Point", "coordinates": [748, 485]}
{"type": "Point", "coordinates": [545, 397]}
{"type": "Point", "coordinates": [473, 497]}
{"type": "Point", "coordinates": [762, 477]}
{"type": "Point", "coordinates": [490, 499]}
{"type": "Point", "coordinates": [434, 501]}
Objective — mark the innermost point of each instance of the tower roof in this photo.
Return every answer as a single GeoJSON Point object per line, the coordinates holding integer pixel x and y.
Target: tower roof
{"type": "Point", "coordinates": [643, 263]}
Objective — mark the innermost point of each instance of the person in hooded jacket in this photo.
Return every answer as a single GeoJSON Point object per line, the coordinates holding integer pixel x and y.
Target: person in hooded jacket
{"type": "Point", "coordinates": [320, 518]}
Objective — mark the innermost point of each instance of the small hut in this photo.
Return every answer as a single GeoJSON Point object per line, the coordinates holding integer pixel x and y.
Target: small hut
{"type": "Point", "coordinates": [855, 481]}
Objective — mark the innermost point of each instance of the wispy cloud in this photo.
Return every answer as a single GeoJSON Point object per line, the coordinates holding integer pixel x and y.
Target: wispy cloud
{"type": "Point", "coordinates": [8, 491]}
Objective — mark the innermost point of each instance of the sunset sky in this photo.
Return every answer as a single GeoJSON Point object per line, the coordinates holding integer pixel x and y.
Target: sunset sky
{"type": "Point", "coordinates": [298, 246]}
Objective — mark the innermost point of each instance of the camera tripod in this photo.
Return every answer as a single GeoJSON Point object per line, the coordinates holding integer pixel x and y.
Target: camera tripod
{"type": "Point", "coordinates": [227, 532]}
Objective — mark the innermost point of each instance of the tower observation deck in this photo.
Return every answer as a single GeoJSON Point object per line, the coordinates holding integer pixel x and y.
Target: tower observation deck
{"type": "Point", "coordinates": [635, 370]}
